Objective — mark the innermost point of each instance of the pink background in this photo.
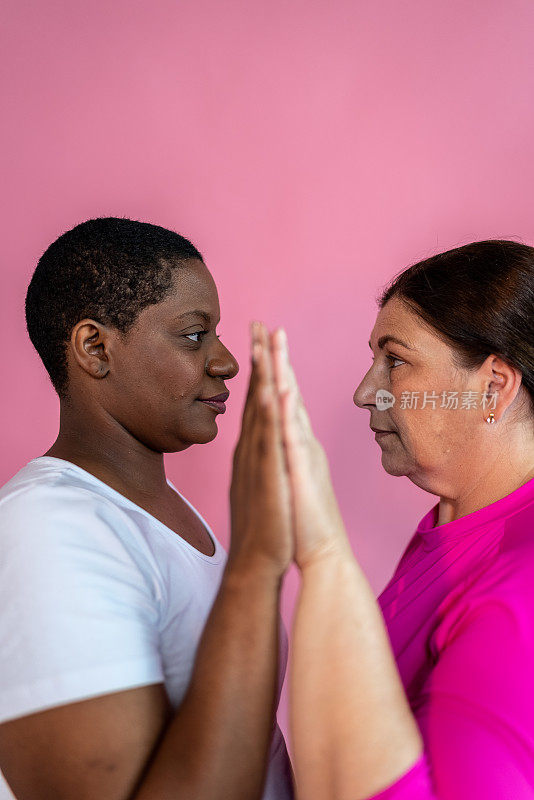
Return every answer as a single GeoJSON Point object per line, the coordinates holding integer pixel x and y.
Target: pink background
{"type": "Point", "coordinates": [310, 150]}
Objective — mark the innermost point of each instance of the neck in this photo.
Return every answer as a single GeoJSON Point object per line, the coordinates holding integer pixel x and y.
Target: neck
{"type": "Point", "coordinates": [509, 468]}
{"type": "Point", "coordinates": [106, 449]}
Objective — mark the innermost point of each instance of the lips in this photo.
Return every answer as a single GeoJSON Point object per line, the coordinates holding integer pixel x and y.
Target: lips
{"type": "Point", "coordinates": [217, 402]}
{"type": "Point", "coordinates": [219, 398]}
{"type": "Point", "coordinates": [381, 433]}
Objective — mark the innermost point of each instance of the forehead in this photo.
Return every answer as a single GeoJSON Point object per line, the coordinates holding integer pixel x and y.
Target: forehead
{"type": "Point", "coordinates": [193, 283]}
{"type": "Point", "coordinates": [193, 289]}
{"type": "Point", "coordinates": [395, 315]}
{"type": "Point", "coordinates": [397, 319]}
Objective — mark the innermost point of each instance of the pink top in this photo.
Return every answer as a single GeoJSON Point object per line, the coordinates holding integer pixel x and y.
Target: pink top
{"type": "Point", "coordinates": [460, 615]}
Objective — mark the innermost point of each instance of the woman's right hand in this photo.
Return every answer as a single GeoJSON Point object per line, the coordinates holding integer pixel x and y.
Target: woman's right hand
{"type": "Point", "coordinates": [259, 494]}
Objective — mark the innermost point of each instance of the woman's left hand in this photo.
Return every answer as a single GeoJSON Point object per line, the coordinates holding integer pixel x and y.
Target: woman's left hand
{"type": "Point", "coordinates": [318, 527]}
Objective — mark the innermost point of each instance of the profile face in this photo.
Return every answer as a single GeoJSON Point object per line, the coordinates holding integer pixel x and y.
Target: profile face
{"type": "Point", "coordinates": [426, 444]}
{"type": "Point", "coordinates": [169, 363]}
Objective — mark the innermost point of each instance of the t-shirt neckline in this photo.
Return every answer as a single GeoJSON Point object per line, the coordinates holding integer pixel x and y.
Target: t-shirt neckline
{"type": "Point", "coordinates": [213, 559]}
{"type": "Point", "coordinates": [433, 535]}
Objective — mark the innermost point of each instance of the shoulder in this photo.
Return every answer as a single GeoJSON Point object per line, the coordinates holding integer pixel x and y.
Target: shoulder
{"type": "Point", "coordinates": [498, 591]}
{"type": "Point", "coordinates": [59, 520]}
{"type": "Point", "coordinates": [507, 572]}
{"type": "Point", "coordinates": [50, 489]}
{"type": "Point", "coordinates": [56, 501]}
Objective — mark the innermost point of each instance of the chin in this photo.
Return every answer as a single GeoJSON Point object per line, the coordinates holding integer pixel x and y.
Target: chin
{"type": "Point", "coordinates": [205, 436]}
{"type": "Point", "coordinates": [393, 467]}
{"type": "Point", "coordinates": [397, 473]}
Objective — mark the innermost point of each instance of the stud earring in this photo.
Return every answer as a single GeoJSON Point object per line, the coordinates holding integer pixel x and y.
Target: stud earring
{"type": "Point", "coordinates": [491, 418]}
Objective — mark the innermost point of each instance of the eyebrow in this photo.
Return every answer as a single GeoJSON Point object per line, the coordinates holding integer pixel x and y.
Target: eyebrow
{"type": "Point", "coordinates": [384, 339]}
{"type": "Point", "coordinates": [197, 313]}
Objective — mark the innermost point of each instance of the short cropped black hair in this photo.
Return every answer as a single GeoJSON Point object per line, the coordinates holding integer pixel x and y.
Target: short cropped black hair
{"type": "Point", "coordinates": [107, 269]}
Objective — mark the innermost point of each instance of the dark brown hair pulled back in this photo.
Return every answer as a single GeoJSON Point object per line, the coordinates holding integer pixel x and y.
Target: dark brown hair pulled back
{"type": "Point", "coordinates": [480, 299]}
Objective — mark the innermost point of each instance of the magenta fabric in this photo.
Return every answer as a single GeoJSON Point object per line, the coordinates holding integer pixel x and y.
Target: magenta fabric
{"type": "Point", "coordinates": [459, 610]}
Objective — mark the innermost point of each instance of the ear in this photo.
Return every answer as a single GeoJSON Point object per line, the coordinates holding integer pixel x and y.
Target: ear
{"type": "Point", "coordinates": [90, 347]}
{"type": "Point", "coordinates": [501, 380]}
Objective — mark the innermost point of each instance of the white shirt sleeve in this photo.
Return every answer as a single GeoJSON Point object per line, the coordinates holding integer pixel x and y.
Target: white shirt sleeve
{"type": "Point", "coordinates": [79, 601]}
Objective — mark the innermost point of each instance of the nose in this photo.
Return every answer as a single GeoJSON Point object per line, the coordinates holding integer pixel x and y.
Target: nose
{"type": "Point", "coordinates": [221, 363]}
{"type": "Point", "coordinates": [365, 394]}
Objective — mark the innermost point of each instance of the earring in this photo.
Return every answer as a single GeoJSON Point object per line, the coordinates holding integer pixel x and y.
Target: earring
{"type": "Point", "coordinates": [491, 417]}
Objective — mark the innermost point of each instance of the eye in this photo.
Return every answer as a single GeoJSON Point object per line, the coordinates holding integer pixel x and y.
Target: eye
{"type": "Point", "coordinates": [394, 358]}
{"type": "Point", "coordinates": [201, 334]}
{"type": "Point", "coordinates": [391, 358]}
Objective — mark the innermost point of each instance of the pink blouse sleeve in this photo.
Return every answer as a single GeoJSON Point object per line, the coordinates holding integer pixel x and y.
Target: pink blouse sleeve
{"type": "Point", "coordinates": [476, 709]}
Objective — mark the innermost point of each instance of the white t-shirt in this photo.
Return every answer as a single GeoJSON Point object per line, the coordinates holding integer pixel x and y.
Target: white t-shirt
{"type": "Point", "coordinates": [97, 596]}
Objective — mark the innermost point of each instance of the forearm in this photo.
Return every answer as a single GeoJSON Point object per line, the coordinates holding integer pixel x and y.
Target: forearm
{"type": "Point", "coordinates": [218, 741]}
{"type": "Point", "coordinates": [352, 728]}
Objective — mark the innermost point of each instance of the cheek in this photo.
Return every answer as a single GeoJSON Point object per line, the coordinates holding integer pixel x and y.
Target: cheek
{"type": "Point", "coordinates": [157, 389]}
{"type": "Point", "coordinates": [436, 436]}
{"type": "Point", "coordinates": [178, 378]}
{"type": "Point", "coordinates": [431, 434]}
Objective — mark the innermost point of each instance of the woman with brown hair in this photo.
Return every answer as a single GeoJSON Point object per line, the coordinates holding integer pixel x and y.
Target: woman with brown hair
{"type": "Point", "coordinates": [427, 692]}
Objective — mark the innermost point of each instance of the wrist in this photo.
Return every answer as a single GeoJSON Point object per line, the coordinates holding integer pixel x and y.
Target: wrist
{"type": "Point", "coordinates": [333, 553]}
{"type": "Point", "coordinates": [255, 569]}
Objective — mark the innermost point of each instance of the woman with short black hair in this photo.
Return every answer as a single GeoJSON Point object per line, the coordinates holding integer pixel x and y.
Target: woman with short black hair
{"type": "Point", "coordinates": [136, 661]}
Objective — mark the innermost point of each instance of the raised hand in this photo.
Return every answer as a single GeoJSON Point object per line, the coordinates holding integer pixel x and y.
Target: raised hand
{"type": "Point", "coordinates": [259, 494]}
{"type": "Point", "coordinates": [317, 523]}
